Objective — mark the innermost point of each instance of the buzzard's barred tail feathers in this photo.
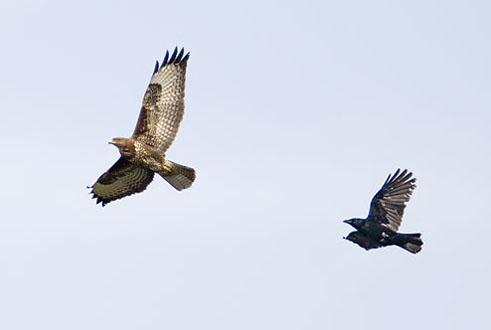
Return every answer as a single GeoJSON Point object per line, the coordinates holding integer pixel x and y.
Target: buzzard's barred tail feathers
{"type": "Point", "coordinates": [180, 176]}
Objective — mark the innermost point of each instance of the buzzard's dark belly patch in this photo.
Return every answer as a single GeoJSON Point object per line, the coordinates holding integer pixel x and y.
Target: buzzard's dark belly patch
{"type": "Point", "coordinates": [147, 157]}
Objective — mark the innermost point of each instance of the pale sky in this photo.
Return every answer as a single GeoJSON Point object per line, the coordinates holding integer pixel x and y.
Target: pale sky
{"type": "Point", "coordinates": [296, 112]}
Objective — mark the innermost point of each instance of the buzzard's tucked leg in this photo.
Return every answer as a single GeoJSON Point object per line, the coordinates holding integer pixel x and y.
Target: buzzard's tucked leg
{"type": "Point", "coordinates": [166, 169]}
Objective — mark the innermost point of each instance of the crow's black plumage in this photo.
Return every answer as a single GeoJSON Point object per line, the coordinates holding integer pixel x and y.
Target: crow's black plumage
{"type": "Point", "coordinates": [386, 210]}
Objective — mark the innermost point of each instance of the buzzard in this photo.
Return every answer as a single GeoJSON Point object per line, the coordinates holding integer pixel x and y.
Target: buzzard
{"type": "Point", "coordinates": [143, 154]}
{"type": "Point", "coordinates": [385, 216]}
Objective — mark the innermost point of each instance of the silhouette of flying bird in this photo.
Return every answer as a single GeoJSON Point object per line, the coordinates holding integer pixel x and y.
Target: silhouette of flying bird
{"type": "Point", "coordinates": [386, 210]}
{"type": "Point", "coordinates": [143, 154]}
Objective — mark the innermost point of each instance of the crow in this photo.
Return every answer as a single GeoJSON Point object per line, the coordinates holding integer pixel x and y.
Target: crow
{"type": "Point", "coordinates": [386, 210]}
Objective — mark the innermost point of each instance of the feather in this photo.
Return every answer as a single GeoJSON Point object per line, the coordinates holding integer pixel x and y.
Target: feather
{"type": "Point", "coordinates": [173, 57]}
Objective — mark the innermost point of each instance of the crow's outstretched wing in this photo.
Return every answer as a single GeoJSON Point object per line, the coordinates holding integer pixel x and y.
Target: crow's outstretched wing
{"type": "Point", "coordinates": [121, 180]}
{"type": "Point", "coordinates": [387, 206]}
{"type": "Point", "coordinates": [163, 104]}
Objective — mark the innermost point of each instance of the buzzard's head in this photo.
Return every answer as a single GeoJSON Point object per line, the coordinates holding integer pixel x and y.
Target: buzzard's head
{"type": "Point", "coordinates": [356, 223]}
{"type": "Point", "coordinates": [126, 146]}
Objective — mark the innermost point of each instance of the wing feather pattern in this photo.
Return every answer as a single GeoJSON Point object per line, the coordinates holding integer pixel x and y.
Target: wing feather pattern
{"type": "Point", "coordinates": [388, 204]}
{"type": "Point", "coordinates": [163, 104]}
{"type": "Point", "coordinates": [121, 180]}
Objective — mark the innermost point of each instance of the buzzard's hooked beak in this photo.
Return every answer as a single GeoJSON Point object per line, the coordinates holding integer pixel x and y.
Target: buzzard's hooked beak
{"type": "Point", "coordinates": [112, 142]}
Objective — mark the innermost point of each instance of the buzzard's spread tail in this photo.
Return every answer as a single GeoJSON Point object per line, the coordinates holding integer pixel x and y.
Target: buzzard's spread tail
{"type": "Point", "coordinates": [179, 176]}
{"type": "Point", "coordinates": [409, 242]}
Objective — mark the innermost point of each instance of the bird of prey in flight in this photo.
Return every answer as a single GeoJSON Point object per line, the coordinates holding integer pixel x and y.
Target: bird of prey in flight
{"type": "Point", "coordinates": [143, 154]}
{"type": "Point", "coordinates": [386, 210]}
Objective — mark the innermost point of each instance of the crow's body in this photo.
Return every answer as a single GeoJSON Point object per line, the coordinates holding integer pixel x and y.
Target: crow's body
{"type": "Point", "coordinates": [386, 210]}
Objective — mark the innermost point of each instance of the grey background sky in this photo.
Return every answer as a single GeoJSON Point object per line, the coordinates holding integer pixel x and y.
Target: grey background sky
{"type": "Point", "coordinates": [296, 113]}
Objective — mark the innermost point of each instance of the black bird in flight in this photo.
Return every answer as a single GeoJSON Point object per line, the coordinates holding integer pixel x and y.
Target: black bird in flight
{"type": "Point", "coordinates": [386, 209]}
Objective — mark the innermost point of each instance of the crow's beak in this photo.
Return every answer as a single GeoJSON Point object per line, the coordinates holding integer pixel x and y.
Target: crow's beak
{"type": "Point", "coordinates": [346, 221]}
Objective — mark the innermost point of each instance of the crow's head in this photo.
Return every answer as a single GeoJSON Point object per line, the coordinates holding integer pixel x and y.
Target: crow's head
{"type": "Point", "coordinates": [356, 223]}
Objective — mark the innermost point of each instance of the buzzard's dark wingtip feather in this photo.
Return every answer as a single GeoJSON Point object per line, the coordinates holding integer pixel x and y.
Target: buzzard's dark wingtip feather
{"type": "Point", "coordinates": [101, 201]}
{"type": "Point", "coordinates": [179, 57]}
{"type": "Point", "coordinates": [166, 58]}
{"type": "Point", "coordinates": [173, 57]}
{"type": "Point", "coordinates": [156, 68]}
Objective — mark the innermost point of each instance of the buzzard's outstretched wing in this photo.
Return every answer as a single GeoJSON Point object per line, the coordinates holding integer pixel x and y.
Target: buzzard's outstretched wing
{"type": "Point", "coordinates": [122, 179]}
{"type": "Point", "coordinates": [387, 207]}
{"type": "Point", "coordinates": [362, 240]}
{"type": "Point", "coordinates": [163, 103]}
